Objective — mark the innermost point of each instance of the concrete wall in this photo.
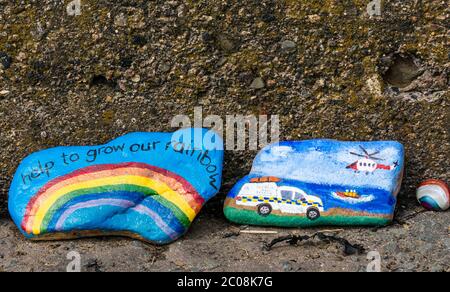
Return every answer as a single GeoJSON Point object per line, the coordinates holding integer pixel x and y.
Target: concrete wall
{"type": "Point", "coordinates": [327, 69]}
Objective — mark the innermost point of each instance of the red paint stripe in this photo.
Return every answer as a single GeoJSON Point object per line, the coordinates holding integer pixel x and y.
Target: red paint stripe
{"type": "Point", "coordinates": [440, 183]}
{"type": "Point", "coordinates": [383, 167]}
{"type": "Point", "coordinates": [95, 168]}
{"type": "Point", "coordinates": [353, 166]}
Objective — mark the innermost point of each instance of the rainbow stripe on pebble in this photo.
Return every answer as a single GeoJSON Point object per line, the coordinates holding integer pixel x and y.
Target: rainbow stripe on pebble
{"type": "Point", "coordinates": [164, 197]}
{"type": "Point", "coordinates": [434, 195]}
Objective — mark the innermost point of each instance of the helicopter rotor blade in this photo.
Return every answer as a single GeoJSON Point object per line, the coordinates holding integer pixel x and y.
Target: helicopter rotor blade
{"type": "Point", "coordinates": [375, 153]}
{"type": "Point", "coordinates": [356, 154]}
{"type": "Point", "coordinates": [377, 159]}
{"type": "Point", "coordinates": [364, 150]}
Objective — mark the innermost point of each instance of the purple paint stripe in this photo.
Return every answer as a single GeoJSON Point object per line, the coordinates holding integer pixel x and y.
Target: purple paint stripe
{"type": "Point", "coordinates": [90, 204]}
{"type": "Point", "coordinates": [118, 203]}
{"type": "Point", "coordinates": [158, 221]}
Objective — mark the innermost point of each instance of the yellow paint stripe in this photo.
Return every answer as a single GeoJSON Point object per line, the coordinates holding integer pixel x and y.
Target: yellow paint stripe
{"type": "Point", "coordinates": [161, 188]}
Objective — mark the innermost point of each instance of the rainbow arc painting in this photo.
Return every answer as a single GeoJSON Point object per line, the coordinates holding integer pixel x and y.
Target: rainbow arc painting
{"type": "Point", "coordinates": [153, 197]}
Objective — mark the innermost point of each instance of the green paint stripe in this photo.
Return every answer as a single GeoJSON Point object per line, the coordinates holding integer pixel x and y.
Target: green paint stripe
{"type": "Point", "coordinates": [184, 220]}
{"type": "Point", "coordinates": [248, 217]}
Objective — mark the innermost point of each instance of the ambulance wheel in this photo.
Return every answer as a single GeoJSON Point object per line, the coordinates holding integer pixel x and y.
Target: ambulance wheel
{"type": "Point", "coordinates": [264, 209]}
{"type": "Point", "coordinates": [313, 214]}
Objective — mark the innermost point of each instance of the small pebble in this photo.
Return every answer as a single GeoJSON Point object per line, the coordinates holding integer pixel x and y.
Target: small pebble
{"type": "Point", "coordinates": [288, 45]}
{"type": "Point", "coordinates": [5, 61]}
{"type": "Point", "coordinates": [225, 43]}
{"type": "Point", "coordinates": [258, 83]}
{"type": "Point", "coordinates": [271, 83]}
{"type": "Point", "coordinates": [21, 57]}
{"type": "Point", "coordinates": [109, 99]}
{"type": "Point", "coordinates": [164, 68]}
{"type": "Point", "coordinates": [136, 79]}
{"type": "Point", "coordinates": [434, 195]}
{"type": "Point", "coordinates": [120, 20]}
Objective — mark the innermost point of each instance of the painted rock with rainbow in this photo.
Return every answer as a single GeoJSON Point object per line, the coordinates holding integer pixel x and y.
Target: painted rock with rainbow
{"type": "Point", "coordinates": [434, 195]}
{"type": "Point", "coordinates": [148, 186]}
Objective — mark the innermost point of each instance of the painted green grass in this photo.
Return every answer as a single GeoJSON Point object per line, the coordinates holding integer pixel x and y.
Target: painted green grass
{"type": "Point", "coordinates": [252, 218]}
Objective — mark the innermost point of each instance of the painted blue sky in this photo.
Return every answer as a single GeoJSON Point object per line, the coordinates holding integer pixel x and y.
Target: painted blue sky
{"type": "Point", "coordinates": [325, 162]}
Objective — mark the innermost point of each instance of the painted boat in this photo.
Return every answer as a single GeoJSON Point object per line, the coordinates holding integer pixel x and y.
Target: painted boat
{"type": "Point", "coordinates": [349, 194]}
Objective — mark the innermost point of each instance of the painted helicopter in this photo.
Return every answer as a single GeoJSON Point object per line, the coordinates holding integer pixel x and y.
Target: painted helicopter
{"type": "Point", "coordinates": [368, 162]}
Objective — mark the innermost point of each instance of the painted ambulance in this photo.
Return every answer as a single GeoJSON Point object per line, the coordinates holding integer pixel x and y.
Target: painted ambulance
{"type": "Point", "coordinates": [266, 196]}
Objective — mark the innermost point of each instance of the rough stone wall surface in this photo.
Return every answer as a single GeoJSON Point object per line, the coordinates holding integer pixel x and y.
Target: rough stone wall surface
{"type": "Point", "coordinates": [325, 67]}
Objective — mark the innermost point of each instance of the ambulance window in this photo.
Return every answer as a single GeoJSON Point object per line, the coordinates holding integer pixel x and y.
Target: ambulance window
{"type": "Point", "coordinates": [286, 195]}
{"type": "Point", "coordinates": [298, 196]}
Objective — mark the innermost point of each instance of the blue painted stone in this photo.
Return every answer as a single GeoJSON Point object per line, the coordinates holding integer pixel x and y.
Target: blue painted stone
{"type": "Point", "coordinates": [319, 182]}
{"type": "Point", "coordinates": [148, 186]}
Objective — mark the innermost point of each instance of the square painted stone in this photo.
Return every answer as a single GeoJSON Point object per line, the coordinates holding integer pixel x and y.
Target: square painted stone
{"type": "Point", "coordinates": [319, 182]}
{"type": "Point", "coordinates": [148, 186]}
